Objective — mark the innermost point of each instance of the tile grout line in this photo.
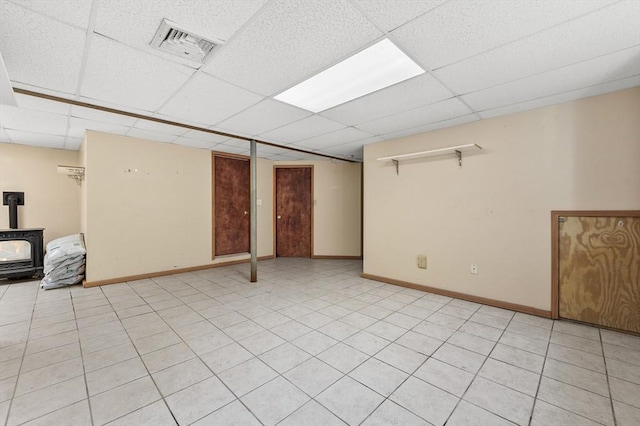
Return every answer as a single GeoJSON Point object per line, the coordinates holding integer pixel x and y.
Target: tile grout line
{"type": "Point", "coordinates": [544, 363]}
{"type": "Point", "coordinates": [606, 371]}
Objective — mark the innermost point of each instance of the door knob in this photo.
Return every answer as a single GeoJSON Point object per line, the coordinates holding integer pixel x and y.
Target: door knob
{"type": "Point", "coordinates": [279, 217]}
{"type": "Point", "coordinates": [246, 212]}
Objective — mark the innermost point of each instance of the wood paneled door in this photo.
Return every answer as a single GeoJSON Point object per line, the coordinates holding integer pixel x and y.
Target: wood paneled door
{"type": "Point", "coordinates": [293, 211]}
{"type": "Point", "coordinates": [231, 204]}
{"type": "Point", "coordinates": [599, 269]}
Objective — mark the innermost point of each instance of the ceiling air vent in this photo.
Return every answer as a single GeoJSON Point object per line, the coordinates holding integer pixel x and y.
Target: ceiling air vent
{"type": "Point", "coordinates": [172, 39]}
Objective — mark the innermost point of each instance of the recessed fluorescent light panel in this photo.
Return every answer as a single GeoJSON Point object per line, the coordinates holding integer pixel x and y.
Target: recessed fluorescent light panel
{"type": "Point", "coordinates": [375, 68]}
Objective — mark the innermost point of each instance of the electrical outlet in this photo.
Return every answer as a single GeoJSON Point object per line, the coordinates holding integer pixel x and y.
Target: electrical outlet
{"type": "Point", "coordinates": [474, 269]}
{"type": "Point", "coordinates": [422, 261]}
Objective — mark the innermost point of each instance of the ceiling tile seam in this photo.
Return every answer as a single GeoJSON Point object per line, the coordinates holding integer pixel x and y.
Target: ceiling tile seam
{"type": "Point", "coordinates": [357, 5]}
{"type": "Point", "coordinates": [528, 35]}
{"type": "Point", "coordinates": [557, 94]}
{"type": "Point", "coordinates": [551, 70]}
{"type": "Point", "coordinates": [37, 12]}
{"type": "Point", "coordinates": [334, 131]}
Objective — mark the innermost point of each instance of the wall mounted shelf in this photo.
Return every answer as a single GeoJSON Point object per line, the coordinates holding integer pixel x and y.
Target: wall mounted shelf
{"type": "Point", "coordinates": [457, 150]}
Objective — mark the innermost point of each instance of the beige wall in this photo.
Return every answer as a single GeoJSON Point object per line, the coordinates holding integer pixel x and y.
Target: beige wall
{"type": "Point", "coordinates": [495, 210]}
{"type": "Point", "coordinates": [158, 218]}
{"type": "Point", "coordinates": [52, 200]}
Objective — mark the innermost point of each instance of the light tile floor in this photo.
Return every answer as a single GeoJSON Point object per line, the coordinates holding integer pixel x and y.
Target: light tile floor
{"type": "Point", "coordinates": [312, 343]}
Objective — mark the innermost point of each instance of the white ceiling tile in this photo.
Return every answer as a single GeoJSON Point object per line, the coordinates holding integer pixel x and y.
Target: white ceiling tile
{"type": "Point", "coordinates": [615, 66]}
{"type": "Point", "coordinates": [135, 22]}
{"type": "Point", "coordinates": [290, 40]}
{"type": "Point", "coordinates": [205, 137]}
{"type": "Point", "coordinates": [343, 136]}
{"type": "Point", "coordinates": [149, 135]}
{"type": "Point", "coordinates": [233, 147]}
{"type": "Point", "coordinates": [79, 126]}
{"type": "Point", "coordinates": [160, 127]}
{"type": "Point", "coordinates": [265, 116]}
{"type": "Point", "coordinates": [613, 28]}
{"type": "Point", "coordinates": [301, 130]}
{"type": "Point", "coordinates": [4, 136]}
{"type": "Point", "coordinates": [207, 100]}
{"type": "Point", "coordinates": [124, 76]}
{"type": "Point", "coordinates": [459, 29]}
{"type": "Point", "coordinates": [451, 108]}
{"type": "Point", "coordinates": [193, 143]}
{"type": "Point", "coordinates": [268, 149]}
{"type": "Point", "coordinates": [410, 94]}
{"type": "Point", "coordinates": [433, 126]}
{"type": "Point", "coordinates": [33, 46]}
{"type": "Point", "coordinates": [73, 144]}
{"type": "Point", "coordinates": [102, 116]}
{"type": "Point", "coordinates": [36, 139]}
{"type": "Point", "coordinates": [31, 120]}
{"type": "Point", "coordinates": [40, 104]}
{"type": "Point", "coordinates": [599, 89]}
{"type": "Point", "coordinates": [74, 12]}
{"type": "Point", "coordinates": [390, 14]}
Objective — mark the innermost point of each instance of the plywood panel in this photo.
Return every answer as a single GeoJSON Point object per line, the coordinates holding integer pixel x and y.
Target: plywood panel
{"type": "Point", "coordinates": [599, 270]}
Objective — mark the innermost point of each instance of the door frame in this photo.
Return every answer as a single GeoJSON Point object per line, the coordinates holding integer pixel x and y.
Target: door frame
{"type": "Point", "coordinates": [313, 203]}
{"type": "Point", "coordinates": [215, 154]}
{"type": "Point", "coordinates": [555, 246]}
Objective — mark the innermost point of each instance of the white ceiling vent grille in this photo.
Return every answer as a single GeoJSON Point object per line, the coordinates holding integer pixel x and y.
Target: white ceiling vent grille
{"type": "Point", "coordinates": [172, 39]}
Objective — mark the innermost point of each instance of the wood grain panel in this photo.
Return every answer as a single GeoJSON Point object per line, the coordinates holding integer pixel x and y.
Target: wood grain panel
{"type": "Point", "coordinates": [293, 212]}
{"type": "Point", "coordinates": [232, 204]}
{"type": "Point", "coordinates": [599, 271]}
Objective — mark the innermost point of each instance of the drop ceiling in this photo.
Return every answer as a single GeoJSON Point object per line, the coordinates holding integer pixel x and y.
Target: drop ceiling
{"type": "Point", "coordinates": [483, 58]}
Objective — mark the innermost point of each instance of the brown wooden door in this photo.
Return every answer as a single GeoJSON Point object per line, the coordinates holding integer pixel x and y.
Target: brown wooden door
{"type": "Point", "coordinates": [293, 212]}
{"type": "Point", "coordinates": [599, 271]}
{"type": "Point", "coordinates": [231, 205]}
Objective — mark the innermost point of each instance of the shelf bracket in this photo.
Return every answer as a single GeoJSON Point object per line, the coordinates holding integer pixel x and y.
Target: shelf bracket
{"type": "Point", "coordinates": [397, 164]}
{"type": "Point", "coordinates": [459, 154]}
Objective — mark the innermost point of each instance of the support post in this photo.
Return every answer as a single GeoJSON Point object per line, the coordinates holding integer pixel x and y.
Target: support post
{"type": "Point", "coordinates": [254, 212]}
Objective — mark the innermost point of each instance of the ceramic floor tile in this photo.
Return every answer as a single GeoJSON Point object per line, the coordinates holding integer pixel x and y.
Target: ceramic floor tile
{"type": "Point", "coordinates": [446, 320]}
{"type": "Point", "coordinates": [272, 319]}
{"type": "Point", "coordinates": [358, 320]}
{"type": "Point", "coordinates": [77, 414]}
{"type": "Point", "coordinates": [444, 376]}
{"type": "Point", "coordinates": [156, 414]}
{"type": "Point", "coordinates": [47, 400]}
{"type": "Point", "coordinates": [510, 376]}
{"type": "Point", "coordinates": [623, 370]}
{"type": "Point", "coordinates": [343, 357]}
{"type": "Point", "coordinates": [402, 320]}
{"type": "Point", "coordinates": [350, 400]}
{"type": "Point", "coordinates": [500, 400]}
{"type": "Point", "coordinates": [109, 356]}
{"type": "Point", "coordinates": [155, 342]}
{"type": "Point", "coordinates": [549, 415]}
{"type": "Point", "coordinates": [226, 357]}
{"type": "Point", "coordinates": [261, 342]}
{"type": "Point", "coordinates": [626, 415]}
{"type": "Point", "coordinates": [199, 400]}
{"type": "Point", "coordinates": [166, 357]}
{"type": "Point", "coordinates": [231, 414]}
{"type": "Point", "coordinates": [12, 352]}
{"type": "Point", "coordinates": [196, 329]}
{"type": "Point", "coordinates": [575, 342]}
{"type": "Point", "coordinates": [390, 413]}
{"type": "Point", "coordinates": [379, 376]}
{"type": "Point", "coordinates": [49, 375]}
{"type": "Point", "coordinates": [577, 376]}
{"type": "Point", "coordinates": [578, 401]}
{"type": "Point", "coordinates": [626, 392]}
{"type": "Point", "coordinates": [227, 319]}
{"type": "Point", "coordinates": [338, 330]}
{"type": "Point", "coordinates": [122, 400]}
{"type": "Point", "coordinates": [467, 414]}
{"type": "Point", "coordinates": [420, 343]}
{"type": "Point", "coordinates": [517, 357]}
{"type": "Point", "coordinates": [621, 353]}
{"type": "Point", "coordinates": [312, 414]}
{"type": "Point", "coordinates": [314, 342]}
{"type": "Point", "coordinates": [42, 344]}
{"type": "Point", "coordinates": [481, 330]}
{"type": "Point", "coordinates": [425, 400]}
{"type": "Point", "coordinates": [620, 339]}
{"type": "Point", "coordinates": [376, 312]}
{"type": "Point", "coordinates": [574, 329]}
{"type": "Point", "coordinates": [7, 386]}
{"type": "Point", "coordinates": [471, 342]}
{"type": "Point", "coordinates": [180, 376]}
{"type": "Point", "coordinates": [274, 401]}
{"type": "Point", "coordinates": [366, 342]}
{"type": "Point", "coordinates": [576, 357]}
{"type": "Point", "coordinates": [115, 375]}
{"type": "Point", "coordinates": [50, 356]}
{"type": "Point", "coordinates": [459, 357]}
{"type": "Point", "coordinates": [247, 376]}
{"type": "Point", "coordinates": [386, 330]}
{"type": "Point", "coordinates": [400, 357]}
{"type": "Point", "coordinates": [313, 376]}
{"type": "Point", "coordinates": [291, 330]}
{"type": "Point", "coordinates": [314, 320]}
{"type": "Point", "coordinates": [434, 330]}
{"type": "Point", "coordinates": [525, 343]}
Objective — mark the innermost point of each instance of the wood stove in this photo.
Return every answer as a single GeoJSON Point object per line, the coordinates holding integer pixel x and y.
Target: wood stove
{"type": "Point", "coordinates": [21, 250]}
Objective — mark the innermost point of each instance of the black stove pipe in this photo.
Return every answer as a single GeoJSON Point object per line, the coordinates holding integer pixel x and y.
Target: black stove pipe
{"type": "Point", "coordinates": [13, 211]}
